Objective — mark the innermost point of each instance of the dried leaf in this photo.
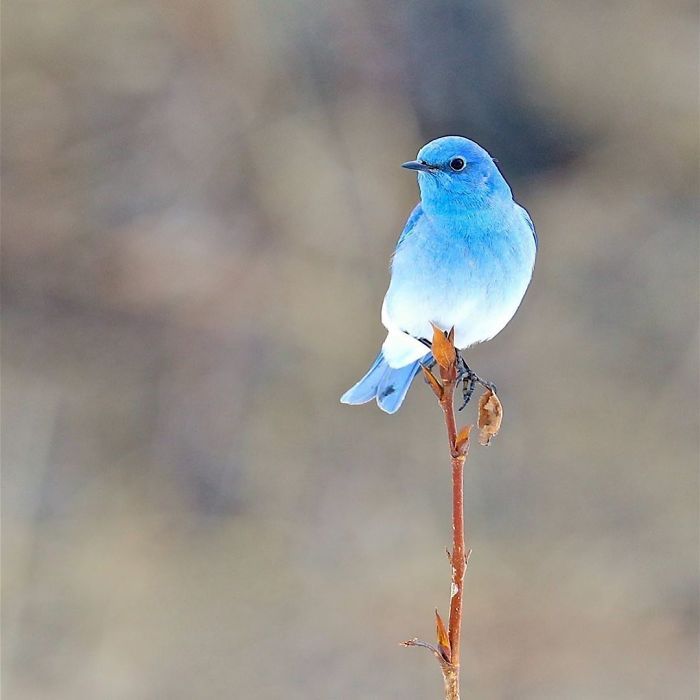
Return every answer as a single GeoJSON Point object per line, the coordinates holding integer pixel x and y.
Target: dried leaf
{"type": "Point", "coordinates": [434, 383]}
{"type": "Point", "coordinates": [462, 441]}
{"type": "Point", "coordinates": [443, 347]}
{"type": "Point", "coordinates": [442, 639]}
{"type": "Point", "coordinates": [490, 416]}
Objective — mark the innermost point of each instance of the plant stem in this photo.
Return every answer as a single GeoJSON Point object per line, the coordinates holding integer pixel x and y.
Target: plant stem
{"type": "Point", "coordinates": [458, 558]}
{"type": "Point", "coordinates": [447, 651]}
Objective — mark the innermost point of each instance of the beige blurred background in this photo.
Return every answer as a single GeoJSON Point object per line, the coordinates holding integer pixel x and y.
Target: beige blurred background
{"type": "Point", "coordinates": [199, 203]}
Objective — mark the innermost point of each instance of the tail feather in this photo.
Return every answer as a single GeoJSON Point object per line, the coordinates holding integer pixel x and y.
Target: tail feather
{"type": "Point", "coordinates": [394, 386]}
{"type": "Point", "coordinates": [366, 389]}
{"type": "Point", "coordinates": [389, 386]}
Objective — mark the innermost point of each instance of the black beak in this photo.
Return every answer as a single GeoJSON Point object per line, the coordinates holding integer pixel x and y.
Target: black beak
{"type": "Point", "coordinates": [417, 165]}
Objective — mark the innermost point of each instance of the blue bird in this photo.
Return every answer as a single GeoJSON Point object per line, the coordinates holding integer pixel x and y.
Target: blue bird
{"type": "Point", "coordinates": [464, 260]}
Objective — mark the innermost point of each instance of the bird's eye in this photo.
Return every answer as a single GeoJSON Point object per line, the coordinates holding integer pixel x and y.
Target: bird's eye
{"type": "Point", "coordinates": [457, 164]}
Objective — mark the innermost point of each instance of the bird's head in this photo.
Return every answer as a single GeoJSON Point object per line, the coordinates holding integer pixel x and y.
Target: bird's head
{"type": "Point", "coordinates": [454, 172]}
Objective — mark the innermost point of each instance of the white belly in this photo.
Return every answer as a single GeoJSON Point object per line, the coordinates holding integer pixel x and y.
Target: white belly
{"type": "Point", "coordinates": [476, 290]}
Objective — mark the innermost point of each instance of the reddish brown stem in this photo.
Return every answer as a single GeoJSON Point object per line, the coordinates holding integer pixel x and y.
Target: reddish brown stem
{"type": "Point", "coordinates": [448, 650]}
{"type": "Point", "coordinates": [458, 558]}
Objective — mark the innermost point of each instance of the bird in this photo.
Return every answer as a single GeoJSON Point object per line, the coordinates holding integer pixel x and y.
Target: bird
{"type": "Point", "coordinates": [464, 260]}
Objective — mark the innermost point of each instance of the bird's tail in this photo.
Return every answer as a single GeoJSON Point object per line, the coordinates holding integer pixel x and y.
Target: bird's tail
{"type": "Point", "coordinates": [388, 385]}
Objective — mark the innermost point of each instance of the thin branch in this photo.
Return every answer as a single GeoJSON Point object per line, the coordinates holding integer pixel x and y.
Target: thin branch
{"type": "Point", "coordinates": [458, 556]}
{"type": "Point", "coordinates": [447, 651]}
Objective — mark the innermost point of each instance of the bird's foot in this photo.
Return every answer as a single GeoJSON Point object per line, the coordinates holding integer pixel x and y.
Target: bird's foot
{"type": "Point", "coordinates": [466, 375]}
{"type": "Point", "coordinates": [469, 380]}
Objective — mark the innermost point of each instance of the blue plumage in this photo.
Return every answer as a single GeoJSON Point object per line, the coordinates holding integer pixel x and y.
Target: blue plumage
{"type": "Point", "coordinates": [463, 260]}
{"type": "Point", "coordinates": [388, 385]}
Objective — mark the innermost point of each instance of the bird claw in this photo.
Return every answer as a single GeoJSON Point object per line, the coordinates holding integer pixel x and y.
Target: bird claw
{"type": "Point", "coordinates": [469, 380]}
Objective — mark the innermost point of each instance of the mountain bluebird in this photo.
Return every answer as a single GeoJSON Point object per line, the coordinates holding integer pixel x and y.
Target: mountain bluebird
{"type": "Point", "coordinates": [464, 260]}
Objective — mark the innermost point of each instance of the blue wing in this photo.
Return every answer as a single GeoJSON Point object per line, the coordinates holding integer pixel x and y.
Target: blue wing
{"type": "Point", "coordinates": [530, 224]}
{"type": "Point", "coordinates": [413, 219]}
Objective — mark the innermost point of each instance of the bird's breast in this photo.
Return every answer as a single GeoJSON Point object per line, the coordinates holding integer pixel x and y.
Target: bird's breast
{"type": "Point", "coordinates": [470, 273]}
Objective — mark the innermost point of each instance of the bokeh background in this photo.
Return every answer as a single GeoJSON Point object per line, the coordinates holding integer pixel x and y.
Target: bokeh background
{"type": "Point", "coordinates": [200, 201]}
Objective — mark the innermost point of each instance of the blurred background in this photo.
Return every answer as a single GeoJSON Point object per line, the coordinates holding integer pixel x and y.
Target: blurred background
{"type": "Point", "coordinates": [200, 202]}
